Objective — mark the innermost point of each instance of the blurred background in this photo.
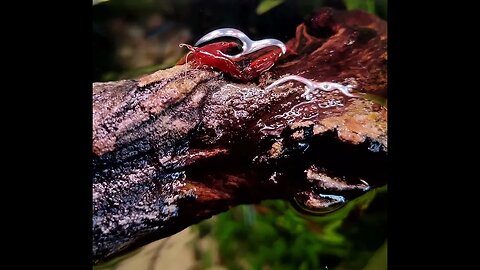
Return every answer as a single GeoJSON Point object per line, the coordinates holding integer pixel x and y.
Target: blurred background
{"type": "Point", "coordinates": [136, 37]}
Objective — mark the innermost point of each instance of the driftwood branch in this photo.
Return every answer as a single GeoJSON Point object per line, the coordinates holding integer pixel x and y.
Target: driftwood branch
{"type": "Point", "coordinates": [180, 145]}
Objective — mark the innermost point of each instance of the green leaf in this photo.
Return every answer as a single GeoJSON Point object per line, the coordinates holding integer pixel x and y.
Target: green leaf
{"type": "Point", "coordinates": [367, 5]}
{"type": "Point", "coordinates": [266, 5]}
{"type": "Point", "coordinates": [96, 2]}
{"type": "Point", "coordinates": [378, 260]}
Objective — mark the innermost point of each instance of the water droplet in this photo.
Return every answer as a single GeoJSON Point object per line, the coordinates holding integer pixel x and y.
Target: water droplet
{"type": "Point", "coordinates": [350, 42]}
{"type": "Point", "coordinates": [317, 204]}
{"type": "Point", "coordinates": [274, 177]}
{"type": "Point", "coordinates": [303, 146]}
{"type": "Point", "coordinates": [375, 146]}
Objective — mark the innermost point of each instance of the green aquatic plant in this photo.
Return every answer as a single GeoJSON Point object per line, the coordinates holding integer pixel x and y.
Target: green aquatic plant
{"type": "Point", "coordinates": [275, 236]}
{"type": "Point", "coordinates": [367, 5]}
{"type": "Point", "coordinates": [267, 5]}
{"type": "Point", "coordinates": [96, 2]}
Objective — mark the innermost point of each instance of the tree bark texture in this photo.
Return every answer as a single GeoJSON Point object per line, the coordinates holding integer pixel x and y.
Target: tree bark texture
{"type": "Point", "coordinates": [180, 145]}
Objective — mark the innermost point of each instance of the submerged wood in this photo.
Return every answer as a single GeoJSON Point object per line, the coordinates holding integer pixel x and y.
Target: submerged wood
{"type": "Point", "coordinates": [175, 147]}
